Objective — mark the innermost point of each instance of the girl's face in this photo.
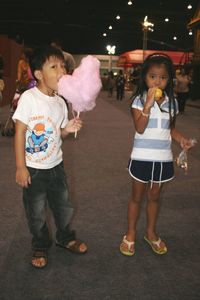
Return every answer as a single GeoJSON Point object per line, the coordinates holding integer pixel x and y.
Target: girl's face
{"type": "Point", "coordinates": [157, 76]}
{"type": "Point", "coordinates": [52, 70]}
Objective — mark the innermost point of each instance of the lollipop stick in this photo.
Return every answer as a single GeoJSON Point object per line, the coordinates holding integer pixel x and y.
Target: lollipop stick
{"type": "Point", "coordinates": [75, 134]}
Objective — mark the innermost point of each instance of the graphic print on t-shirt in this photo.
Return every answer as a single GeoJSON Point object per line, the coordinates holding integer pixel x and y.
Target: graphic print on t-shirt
{"type": "Point", "coordinates": [40, 139]}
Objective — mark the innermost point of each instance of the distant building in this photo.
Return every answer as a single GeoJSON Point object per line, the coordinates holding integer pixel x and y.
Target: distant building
{"type": "Point", "coordinates": [132, 58]}
{"type": "Point", "coordinates": [107, 62]}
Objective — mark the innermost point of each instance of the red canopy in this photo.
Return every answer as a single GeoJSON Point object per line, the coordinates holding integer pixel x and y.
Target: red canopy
{"type": "Point", "coordinates": [128, 59]}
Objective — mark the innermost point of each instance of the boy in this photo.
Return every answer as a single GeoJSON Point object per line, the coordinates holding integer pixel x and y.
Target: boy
{"type": "Point", "coordinates": [41, 121]}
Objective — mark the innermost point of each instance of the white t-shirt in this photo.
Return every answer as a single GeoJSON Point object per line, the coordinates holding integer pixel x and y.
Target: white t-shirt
{"type": "Point", "coordinates": [44, 117]}
{"type": "Point", "coordinates": [155, 143]}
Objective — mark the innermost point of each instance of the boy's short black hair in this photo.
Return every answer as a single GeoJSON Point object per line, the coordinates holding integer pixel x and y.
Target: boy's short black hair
{"type": "Point", "coordinates": [41, 54]}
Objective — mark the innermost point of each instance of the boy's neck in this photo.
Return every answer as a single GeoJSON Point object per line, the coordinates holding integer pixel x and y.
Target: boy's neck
{"type": "Point", "coordinates": [46, 91]}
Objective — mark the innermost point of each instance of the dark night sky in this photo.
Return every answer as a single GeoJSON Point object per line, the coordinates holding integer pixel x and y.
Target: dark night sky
{"type": "Point", "coordinates": [81, 23]}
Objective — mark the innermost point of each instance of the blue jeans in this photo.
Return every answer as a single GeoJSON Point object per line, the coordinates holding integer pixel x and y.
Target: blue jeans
{"type": "Point", "coordinates": [48, 186]}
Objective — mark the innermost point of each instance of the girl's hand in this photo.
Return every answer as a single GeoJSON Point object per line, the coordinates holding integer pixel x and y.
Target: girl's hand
{"type": "Point", "coordinates": [23, 177]}
{"type": "Point", "coordinates": [187, 143]}
{"type": "Point", "coordinates": [150, 96]}
{"type": "Point", "coordinates": [74, 125]}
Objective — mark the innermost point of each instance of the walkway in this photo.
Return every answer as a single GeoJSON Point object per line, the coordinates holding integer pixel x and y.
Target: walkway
{"type": "Point", "coordinates": [100, 187]}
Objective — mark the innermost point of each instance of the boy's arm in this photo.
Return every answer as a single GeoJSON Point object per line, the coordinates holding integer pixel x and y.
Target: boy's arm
{"type": "Point", "coordinates": [72, 126]}
{"type": "Point", "coordinates": [22, 175]}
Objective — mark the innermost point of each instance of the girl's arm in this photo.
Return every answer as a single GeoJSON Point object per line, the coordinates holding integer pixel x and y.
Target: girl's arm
{"type": "Point", "coordinates": [179, 138]}
{"type": "Point", "coordinates": [22, 174]}
{"type": "Point", "coordinates": [141, 118]}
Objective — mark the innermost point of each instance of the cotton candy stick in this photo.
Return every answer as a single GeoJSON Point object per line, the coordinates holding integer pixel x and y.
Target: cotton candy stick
{"type": "Point", "coordinates": [75, 134]}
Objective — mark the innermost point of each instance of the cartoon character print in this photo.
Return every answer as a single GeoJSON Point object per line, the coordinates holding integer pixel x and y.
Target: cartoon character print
{"type": "Point", "coordinates": [39, 139]}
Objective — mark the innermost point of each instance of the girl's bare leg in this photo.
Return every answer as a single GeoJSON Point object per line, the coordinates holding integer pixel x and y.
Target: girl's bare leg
{"type": "Point", "coordinates": [152, 211]}
{"type": "Point", "coordinates": [138, 190]}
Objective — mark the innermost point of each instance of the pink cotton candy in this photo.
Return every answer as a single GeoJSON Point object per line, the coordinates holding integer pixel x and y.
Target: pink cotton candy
{"type": "Point", "coordinates": [82, 87]}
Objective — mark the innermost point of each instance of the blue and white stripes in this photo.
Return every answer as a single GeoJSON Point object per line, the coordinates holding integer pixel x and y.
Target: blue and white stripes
{"type": "Point", "coordinates": [155, 143]}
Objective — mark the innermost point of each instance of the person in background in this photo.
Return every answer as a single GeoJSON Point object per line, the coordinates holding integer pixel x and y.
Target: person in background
{"type": "Point", "coordinates": [25, 78]}
{"type": "Point", "coordinates": [120, 85]}
{"type": "Point", "coordinates": [110, 83]}
{"type": "Point", "coordinates": [151, 162]}
{"type": "Point", "coordinates": [69, 60]}
{"type": "Point", "coordinates": [135, 76]}
{"type": "Point", "coordinates": [2, 85]}
{"type": "Point", "coordinates": [182, 88]}
{"type": "Point", "coordinates": [42, 122]}
{"type": "Point", "coordinates": [104, 80]}
{"type": "Point", "coordinates": [1, 77]}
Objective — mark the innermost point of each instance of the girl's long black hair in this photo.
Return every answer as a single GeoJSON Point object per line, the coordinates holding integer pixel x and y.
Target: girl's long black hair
{"type": "Point", "coordinates": [159, 59]}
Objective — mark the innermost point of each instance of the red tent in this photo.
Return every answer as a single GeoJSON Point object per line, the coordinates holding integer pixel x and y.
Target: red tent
{"type": "Point", "coordinates": [128, 59]}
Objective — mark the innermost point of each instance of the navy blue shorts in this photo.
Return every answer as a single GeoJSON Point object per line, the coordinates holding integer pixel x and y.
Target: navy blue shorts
{"type": "Point", "coordinates": [146, 171]}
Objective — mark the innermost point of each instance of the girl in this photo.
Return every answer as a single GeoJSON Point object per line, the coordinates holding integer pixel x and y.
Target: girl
{"type": "Point", "coordinates": [151, 162]}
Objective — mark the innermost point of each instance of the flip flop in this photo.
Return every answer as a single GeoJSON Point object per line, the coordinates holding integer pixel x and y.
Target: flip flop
{"type": "Point", "coordinates": [38, 254]}
{"type": "Point", "coordinates": [155, 245]}
{"type": "Point", "coordinates": [129, 244]}
{"type": "Point", "coordinates": [73, 246]}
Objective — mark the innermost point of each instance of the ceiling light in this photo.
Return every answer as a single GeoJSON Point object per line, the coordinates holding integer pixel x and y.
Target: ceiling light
{"type": "Point", "coordinates": [189, 6]}
{"type": "Point", "coordinates": [175, 38]}
{"type": "Point", "coordinates": [190, 32]}
{"type": "Point", "coordinates": [104, 34]}
{"type": "Point", "coordinates": [110, 27]}
{"type": "Point", "coordinates": [117, 17]}
{"type": "Point", "coordinates": [111, 49]}
{"type": "Point", "coordinates": [166, 19]}
{"type": "Point", "coordinates": [147, 24]}
{"type": "Point", "coordinates": [130, 2]}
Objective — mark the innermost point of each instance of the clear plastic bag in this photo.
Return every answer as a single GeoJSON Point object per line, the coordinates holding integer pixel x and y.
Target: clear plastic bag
{"type": "Point", "coordinates": [182, 159]}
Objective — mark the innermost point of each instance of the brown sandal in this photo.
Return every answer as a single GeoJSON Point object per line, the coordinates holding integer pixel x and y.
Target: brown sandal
{"type": "Point", "coordinates": [38, 255]}
{"type": "Point", "coordinates": [73, 246]}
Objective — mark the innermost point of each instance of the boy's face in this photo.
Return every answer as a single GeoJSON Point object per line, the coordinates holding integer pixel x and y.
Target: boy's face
{"type": "Point", "coordinates": [52, 70]}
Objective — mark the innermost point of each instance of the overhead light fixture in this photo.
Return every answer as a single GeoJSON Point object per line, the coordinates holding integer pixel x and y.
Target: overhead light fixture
{"type": "Point", "coordinates": [110, 27]}
{"type": "Point", "coordinates": [111, 49]}
{"type": "Point", "coordinates": [189, 6]}
{"type": "Point", "coordinates": [190, 32]}
{"type": "Point", "coordinates": [166, 19]}
{"type": "Point", "coordinates": [174, 38]}
{"type": "Point", "coordinates": [117, 17]}
{"type": "Point", "coordinates": [147, 24]}
{"type": "Point", "coordinates": [104, 34]}
{"type": "Point", "coordinates": [130, 2]}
